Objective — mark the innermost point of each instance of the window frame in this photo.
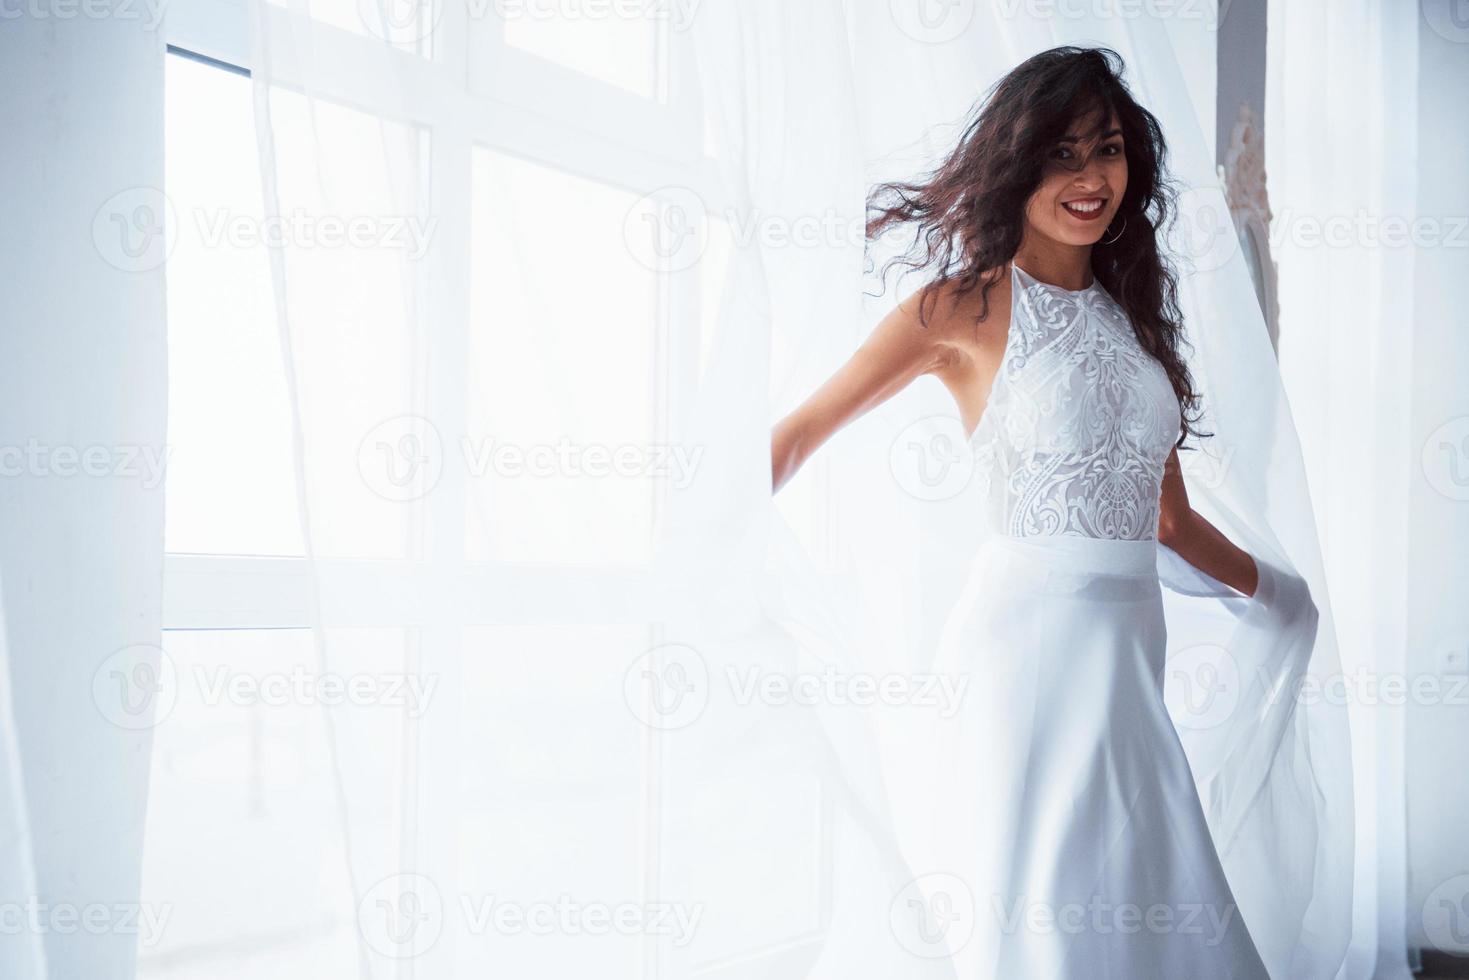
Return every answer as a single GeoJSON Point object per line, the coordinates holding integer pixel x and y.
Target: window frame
{"type": "Point", "coordinates": [590, 128]}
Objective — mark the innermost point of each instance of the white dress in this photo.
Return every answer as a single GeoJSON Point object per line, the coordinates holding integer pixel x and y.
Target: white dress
{"type": "Point", "coordinates": [1066, 795]}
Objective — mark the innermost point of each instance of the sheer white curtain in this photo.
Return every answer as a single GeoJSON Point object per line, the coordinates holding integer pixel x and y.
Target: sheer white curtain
{"type": "Point", "coordinates": [666, 726]}
{"type": "Point", "coordinates": [21, 956]}
{"type": "Point", "coordinates": [1344, 196]}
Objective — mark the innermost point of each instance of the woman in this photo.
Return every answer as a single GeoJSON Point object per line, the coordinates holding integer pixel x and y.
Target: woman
{"type": "Point", "coordinates": [1052, 320]}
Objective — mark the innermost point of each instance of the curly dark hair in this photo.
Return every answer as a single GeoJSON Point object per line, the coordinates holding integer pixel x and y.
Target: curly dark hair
{"type": "Point", "coordinates": [968, 214]}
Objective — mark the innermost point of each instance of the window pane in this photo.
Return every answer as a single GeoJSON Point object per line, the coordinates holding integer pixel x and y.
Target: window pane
{"type": "Point", "coordinates": [352, 246]}
{"type": "Point", "coordinates": [561, 452]}
{"type": "Point", "coordinates": [245, 839]}
{"type": "Point", "coordinates": [355, 249]}
{"type": "Point", "coordinates": [230, 484]}
{"type": "Point", "coordinates": [553, 803]}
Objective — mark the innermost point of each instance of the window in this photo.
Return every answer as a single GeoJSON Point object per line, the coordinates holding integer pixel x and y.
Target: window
{"type": "Point", "coordinates": [563, 148]}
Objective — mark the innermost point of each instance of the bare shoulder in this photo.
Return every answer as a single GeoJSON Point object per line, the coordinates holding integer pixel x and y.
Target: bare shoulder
{"type": "Point", "coordinates": [963, 324]}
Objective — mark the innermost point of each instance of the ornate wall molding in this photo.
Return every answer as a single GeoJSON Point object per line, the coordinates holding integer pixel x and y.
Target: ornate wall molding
{"type": "Point", "coordinates": [1243, 173]}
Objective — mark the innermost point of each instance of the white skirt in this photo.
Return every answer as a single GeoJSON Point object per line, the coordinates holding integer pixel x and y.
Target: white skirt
{"type": "Point", "coordinates": [1069, 826]}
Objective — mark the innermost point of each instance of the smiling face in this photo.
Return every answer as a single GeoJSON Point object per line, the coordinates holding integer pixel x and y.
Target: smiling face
{"type": "Point", "coordinates": [1081, 187]}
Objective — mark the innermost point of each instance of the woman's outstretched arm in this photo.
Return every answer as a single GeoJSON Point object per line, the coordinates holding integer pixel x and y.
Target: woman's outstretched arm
{"type": "Point", "coordinates": [899, 350]}
{"type": "Point", "coordinates": [1197, 541]}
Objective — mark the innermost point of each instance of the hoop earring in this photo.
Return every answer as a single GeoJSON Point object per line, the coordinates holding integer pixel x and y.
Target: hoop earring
{"type": "Point", "coordinates": [1119, 231]}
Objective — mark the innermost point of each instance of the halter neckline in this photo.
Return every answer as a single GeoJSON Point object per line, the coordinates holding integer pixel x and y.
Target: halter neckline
{"type": "Point", "coordinates": [1061, 289]}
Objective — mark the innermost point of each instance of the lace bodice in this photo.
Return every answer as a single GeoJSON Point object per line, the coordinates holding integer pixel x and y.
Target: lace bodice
{"type": "Point", "coordinates": [1079, 422]}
